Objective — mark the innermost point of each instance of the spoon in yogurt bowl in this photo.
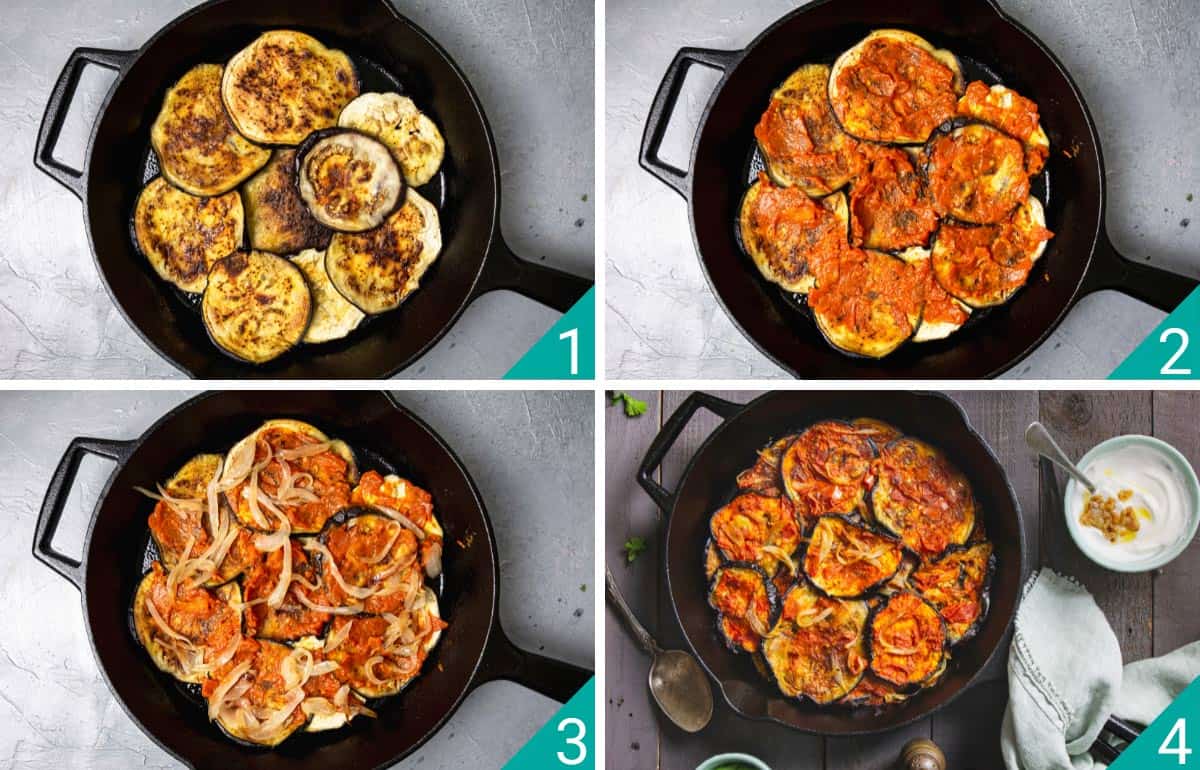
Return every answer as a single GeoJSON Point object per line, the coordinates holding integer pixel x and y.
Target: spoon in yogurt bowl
{"type": "Point", "coordinates": [1040, 441]}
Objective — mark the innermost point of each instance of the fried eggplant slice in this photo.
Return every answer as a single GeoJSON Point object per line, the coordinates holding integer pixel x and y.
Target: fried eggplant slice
{"type": "Point", "coordinates": [379, 655]}
{"type": "Point", "coordinates": [802, 143]}
{"type": "Point", "coordinates": [985, 266]}
{"type": "Point", "coordinates": [746, 605]}
{"type": "Point", "coordinates": [294, 617]}
{"type": "Point", "coordinates": [976, 174]}
{"type": "Point", "coordinates": [1013, 114]}
{"type": "Point", "coordinates": [873, 692]}
{"type": "Point", "coordinates": [395, 120]}
{"type": "Point", "coordinates": [349, 181]}
{"type": "Point", "coordinates": [869, 303]}
{"type": "Point", "coordinates": [189, 630]}
{"type": "Point", "coordinates": [378, 270]}
{"type": "Point", "coordinates": [757, 529]}
{"type": "Point", "coordinates": [846, 561]}
{"type": "Point", "coordinates": [957, 587]}
{"type": "Point", "coordinates": [827, 469]}
{"type": "Point", "coordinates": [198, 148]}
{"type": "Point", "coordinates": [285, 85]}
{"type": "Point", "coordinates": [763, 476]}
{"type": "Point", "coordinates": [908, 640]}
{"type": "Point", "coordinates": [817, 648]}
{"type": "Point", "coordinates": [942, 314]}
{"type": "Point", "coordinates": [712, 559]}
{"type": "Point", "coordinates": [788, 235]}
{"type": "Point", "coordinates": [183, 236]}
{"type": "Point", "coordinates": [256, 306]}
{"type": "Point", "coordinates": [369, 561]}
{"type": "Point", "coordinates": [255, 698]}
{"type": "Point", "coordinates": [181, 526]}
{"type": "Point", "coordinates": [329, 703]}
{"type": "Point", "coordinates": [920, 497]}
{"type": "Point", "coordinates": [889, 207]}
{"type": "Point", "coordinates": [277, 219]}
{"type": "Point", "coordinates": [302, 475]}
{"type": "Point", "coordinates": [333, 317]}
{"type": "Point", "coordinates": [404, 501]}
{"type": "Point", "coordinates": [878, 431]}
{"type": "Point", "coordinates": [894, 87]}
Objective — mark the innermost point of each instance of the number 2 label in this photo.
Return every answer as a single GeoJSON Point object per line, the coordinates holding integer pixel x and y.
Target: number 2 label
{"type": "Point", "coordinates": [1179, 733]}
{"type": "Point", "coordinates": [576, 741]}
{"type": "Point", "coordinates": [1169, 366]}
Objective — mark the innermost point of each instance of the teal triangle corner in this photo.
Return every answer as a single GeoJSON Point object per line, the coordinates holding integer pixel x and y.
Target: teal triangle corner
{"type": "Point", "coordinates": [1168, 743]}
{"type": "Point", "coordinates": [571, 340]}
{"type": "Point", "coordinates": [567, 740]}
{"type": "Point", "coordinates": [1171, 351]}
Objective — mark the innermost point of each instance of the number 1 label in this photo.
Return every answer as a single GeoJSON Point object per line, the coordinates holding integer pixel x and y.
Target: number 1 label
{"type": "Point", "coordinates": [573, 336]}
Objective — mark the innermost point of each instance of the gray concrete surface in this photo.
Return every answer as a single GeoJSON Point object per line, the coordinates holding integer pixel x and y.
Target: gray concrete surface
{"type": "Point", "coordinates": [530, 61]}
{"type": "Point", "coordinates": [1135, 62]}
{"type": "Point", "coordinates": [530, 453]}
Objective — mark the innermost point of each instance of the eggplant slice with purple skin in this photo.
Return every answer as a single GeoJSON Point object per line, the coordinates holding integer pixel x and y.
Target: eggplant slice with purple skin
{"type": "Point", "coordinates": [908, 640]}
{"type": "Point", "coordinates": [817, 650]}
{"type": "Point", "coordinates": [846, 561]}
{"type": "Point", "coordinates": [825, 470]}
{"type": "Point", "coordinates": [746, 605]}
{"type": "Point", "coordinates": [957, 586]}
{"type": "Point", "coordinates": [349, 181]}
{"type": "Point", "coordinates": [277, 219]}
{"type": "Point", "coordinates": [757, 529]}
{"type": "Point", "coordinates": [921, 498]}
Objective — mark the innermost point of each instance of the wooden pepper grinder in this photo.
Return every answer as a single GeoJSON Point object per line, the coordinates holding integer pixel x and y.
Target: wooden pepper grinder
{"type": "Point", "coordinates": [922, 754]}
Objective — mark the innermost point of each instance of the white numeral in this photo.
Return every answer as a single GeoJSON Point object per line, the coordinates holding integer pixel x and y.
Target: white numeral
{"type": "Point", "coordinates": [1181, 751]}
{"type": "Point", "coordinates": [1169, 366]}
{"type": "Point", "coordinates": [573, 336]}
{"type": "Point", "coordinates": [577, 741]}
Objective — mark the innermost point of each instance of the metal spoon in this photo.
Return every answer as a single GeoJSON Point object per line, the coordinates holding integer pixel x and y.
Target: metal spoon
{"type": "Point", "coordinates": [1040, 441]}
{"type": "Point", "coordinates": [678, 684]}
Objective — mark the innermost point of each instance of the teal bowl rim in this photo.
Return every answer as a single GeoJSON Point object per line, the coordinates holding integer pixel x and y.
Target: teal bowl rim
{"type": "Point", "coordinates": [712, 761]}
{"type": "Point", "coordinates": [1189, 477]}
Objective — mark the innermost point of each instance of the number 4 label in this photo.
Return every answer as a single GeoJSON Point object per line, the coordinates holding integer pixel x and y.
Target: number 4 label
{"type": "Point", "coordinates": [1179, 729]}
{"type": "Point", "coordinates": [576, 740]}
{"type": "Point", "coordinates": [1169, 366]}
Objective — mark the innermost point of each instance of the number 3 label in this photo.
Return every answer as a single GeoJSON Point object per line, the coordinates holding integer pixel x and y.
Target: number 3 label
{"type": "Point", "coordinates": [1169, 366]}
{"type": "Point", "coordinates": [1178, 733]}
{"type": "Point", "coordinates": [575, 741]}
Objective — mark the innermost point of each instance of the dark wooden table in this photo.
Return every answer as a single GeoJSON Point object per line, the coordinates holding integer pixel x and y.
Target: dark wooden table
{"type": "Point", "coordinates": [1151, 613]}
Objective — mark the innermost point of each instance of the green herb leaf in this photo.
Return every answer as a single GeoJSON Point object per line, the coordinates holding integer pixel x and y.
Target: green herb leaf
{"type": "Point", "coordinates": [633, 407]}
{"type": "Point", "coordinates": [633, 548]}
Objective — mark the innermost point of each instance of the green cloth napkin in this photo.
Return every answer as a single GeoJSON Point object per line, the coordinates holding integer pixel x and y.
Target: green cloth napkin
{"type": "Point", "coordinates": [1065, 678]}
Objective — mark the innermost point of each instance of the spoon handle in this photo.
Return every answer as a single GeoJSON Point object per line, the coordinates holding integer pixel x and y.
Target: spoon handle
{"type": "Point", "coordinates": [1040, 441]}
{"type": "Point", "coordinates": [640, 634]}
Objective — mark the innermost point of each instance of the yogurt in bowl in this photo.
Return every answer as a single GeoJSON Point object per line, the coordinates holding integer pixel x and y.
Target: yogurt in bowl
{"type": "Point", "coordinates": [1145, 509]}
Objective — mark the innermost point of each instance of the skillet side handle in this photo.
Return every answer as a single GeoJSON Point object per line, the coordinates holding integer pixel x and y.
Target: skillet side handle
{"type": "Point", "coordinates": [669, 434]}
{"type": "Point", "coordinates": [56, 498]}
{"type": "Point", "coordinates": [663, 108]}
{"type": "Point", "coordinates": [555, 679]}
{"type": "Point", "coordinates": [550, 286]}
{"type": "Point", "coordinates": [56, 113]}
{"type": "Point", "coordinates": [1161, 288]}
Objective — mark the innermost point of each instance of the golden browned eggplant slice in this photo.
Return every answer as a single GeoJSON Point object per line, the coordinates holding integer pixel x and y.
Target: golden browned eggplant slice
{"type": "Point", "coordinates": [187, 630]}
{"type": "Point", "coordinates": [256, 306]}
{"type": "Point", "coordinates": [985, 266]}
{"type": "Point", "coordinates": [198, 148]}
{"type": "Point", "coordinates": [908, 640]}
{"type": "Point", "coordinates": [893, 86]}
{"type": "Point", "coordinates": [1013, 114]}
{"type": "Point", "coordinates": [377, 270]}
{"type": "Point", "coordinates": [763, 476]}
{"type": "Point", "coordinates": [746, 605]}
{"type": "Point", "coordinates": [801, 141]}
{"type": "Point", "coordinates": [292, 616]}
{"type": "Point", "coordinates": [957, 585]}
{"type": "Point", "coordinates": [712, 559]}
{"type": "Point", "coordinates": [920, 497]}
{"type": "Point", "coordinates": [976, 174]}
{"type": "Point", "coordinates": [757, 529]}
{"type": "Point", "coordinates": [847, 561]}
{"type": "Point", "coordinates": [256, 697]}
{"type": "Point", "coordinates": [396, 121]}
{"type": "Point", "coordinates": [349, 181]}
{"type": "Point", "coordinates": [889, 207]}
{"type": "Point", "coordinates": [817, 649]}
{"type": "Point", "coordinates": [333, 316]}
{"type": "Point", "coordinates": [285, 85]}
{"type": "Point", "coordinates": [878, 431]}
{"type": "Point", "coordinates": [182, 235]}
{"type": "Point", "coordinates": [788, 235]}
{"type": "Point", "coordinates": [827, 469]}
{"type": "Point", "coordinates": [869, 304]}
{"type": "Point", "coordinates": [277, 220]}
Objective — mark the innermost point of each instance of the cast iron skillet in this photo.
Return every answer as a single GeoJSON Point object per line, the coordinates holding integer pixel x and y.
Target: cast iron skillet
{"type": "Point", "coordinates": [390, 52]}
{"type": "Point", "coordinates": [473, 650]}
{"type": "Point", "coordinates": [1079, 261]}
{"type": "Point", "coordinates": [708, 482]}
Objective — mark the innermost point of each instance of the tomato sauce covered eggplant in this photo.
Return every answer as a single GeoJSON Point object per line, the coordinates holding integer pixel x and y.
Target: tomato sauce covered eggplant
{"type": "Point", "coordinates": [957, 587]}
{"type": "Point", "coordinates": [846, 561]}
{"type": "Point", "coordinates": [868, 303]}
{"type": "Point", "coordinates": [816, 650]}
{"type": "Point", "coordinates": [889, 208]}
{"type": "Point", "coordinates": [1013, 114]}
{"type": "Point", "coordinates": [757, 529]}
{"type": "Point", "coordinates": [746, 605]}
{"type": "Point", "coordinates": [790, 236]}
{"type": "Point", "coordinates": [763, 476]}
{"type": "Point", "coordinates": [370, 562]}
{"type": "Point", "coordinates": [285, 614]}
{"type": "Point", "coordinates": [921, 498]}
{"type": "Point", "coordinates": [907, 640]}
{"type": "Point", "coordinates": [379, 654]}
{"type": "Point", "coordinates": [827, 469]}
{"type": "Point", "coordinates": [976, 174]}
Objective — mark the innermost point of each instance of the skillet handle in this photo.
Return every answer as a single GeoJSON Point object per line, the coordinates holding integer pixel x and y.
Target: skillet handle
{"type": "Point", "coordinates": [56, 498]}
{"type": "Point", "coordinates": [57, 108]}
{"type": "Point", "coordinates": [1110, 270]}
{"type": "Point", "coordinates": [663, 108]}
{"type": "Point", "coordinates": [550, 286]}
{"type": "Point", "coordinates": [666, 439]}
{"type": "Point", "coordinates": [555, 679]}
